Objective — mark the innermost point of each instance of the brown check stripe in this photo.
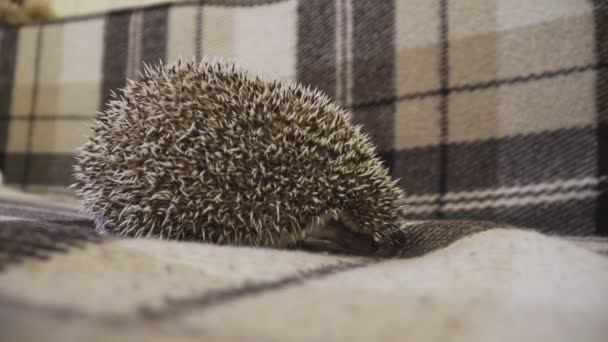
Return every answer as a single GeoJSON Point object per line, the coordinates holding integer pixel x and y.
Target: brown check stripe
{"type": "Point", "coordinates": [34, 231]}
{"type": "Point", "coordinates": [492, 110]}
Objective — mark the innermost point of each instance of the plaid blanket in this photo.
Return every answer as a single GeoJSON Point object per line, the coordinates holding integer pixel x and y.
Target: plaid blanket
{"type": "Point", "coordinates": [492, 110]}
{"type": "Point", "coordinates": [59, 281]}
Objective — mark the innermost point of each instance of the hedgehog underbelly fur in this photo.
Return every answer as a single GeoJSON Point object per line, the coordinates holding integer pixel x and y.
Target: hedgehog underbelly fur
{"type": "Point", "coordinates": [206, 152]}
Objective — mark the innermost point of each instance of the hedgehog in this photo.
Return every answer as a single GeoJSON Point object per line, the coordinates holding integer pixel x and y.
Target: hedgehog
{"type": "Point", "coordinates": [204, 151]}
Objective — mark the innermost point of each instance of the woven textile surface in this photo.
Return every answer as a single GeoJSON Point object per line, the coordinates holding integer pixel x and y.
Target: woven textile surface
{"type": "Point", "coordinates": [59, 281]}
{"type": "Point", "coordinates": [492, 110]}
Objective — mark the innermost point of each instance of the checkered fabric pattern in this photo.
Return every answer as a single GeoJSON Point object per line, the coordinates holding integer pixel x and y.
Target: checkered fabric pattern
{"type": "Point", "coordinates": [493, 109]}
{"type": "Point", "coordinates": [60, 281]}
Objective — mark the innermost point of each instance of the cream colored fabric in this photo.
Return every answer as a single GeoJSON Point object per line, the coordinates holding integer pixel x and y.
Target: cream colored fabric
{"type": "Point", "coordinates": [499, 285]}
{"type": "Point", "coordinates": [61, 282]}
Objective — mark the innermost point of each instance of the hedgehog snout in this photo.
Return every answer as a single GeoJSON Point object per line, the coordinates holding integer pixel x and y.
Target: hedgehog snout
{"type": "Point", "coordinates": [338, 233]}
